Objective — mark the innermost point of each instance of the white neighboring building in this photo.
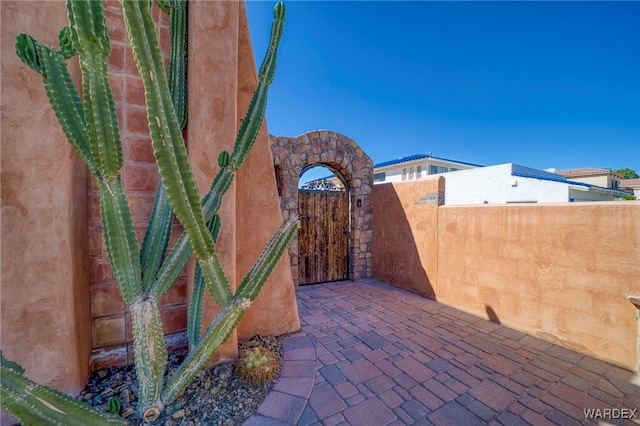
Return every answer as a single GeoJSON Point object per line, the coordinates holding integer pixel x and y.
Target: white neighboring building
{"type": "Point", "coordinates": [414, 167]}
{"type": "Point", "coordinates": [511, 183]}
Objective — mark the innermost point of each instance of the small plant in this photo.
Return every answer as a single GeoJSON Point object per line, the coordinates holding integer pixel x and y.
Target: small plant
{"type": "Point", "coordinates": [257, 365]}
{"type": "Point", "coordinates": [114, 405]}
{"type": "Point", "coordinates": [146, 272]}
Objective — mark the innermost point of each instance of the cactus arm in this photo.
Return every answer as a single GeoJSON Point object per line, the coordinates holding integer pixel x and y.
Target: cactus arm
{"type": "Point", "coordinates": [156, 238]}
{"type": "Point", "coordinates": [166, 135]}
{"type": "Point", "coordinates": [33, 404]}
{"type": "Point", "coordinates": [178, 61]}
{"type": "Point", "coordinates": [216, 280]}
{"type": "Point", "coordinates": [252, 283]}
{"type": "Point", "coordinates": [169, 147]}
{"type": "Point", "coordinates": [173, 264]}
{"type": "Point", "coordinates": [61, 92]}
{"type": "Point", "coordinates": [194, 319]}
{"type": "Point", "coordinates": [165, 5]}
{"type": "Point", "coordinates": [89, 37]}
{"type": "Point", "coordinates": [268, 66]}
{"type": "Point", "coordinates": [86, 22]}
{"type": "Point", "coordinates": [27, 51]}
{"type": "Point", "coordinates": [67, 50]}
{"type": "Point", "coordinates": [253, 119]}
{"type": "Point", "coordinates": [246, 136]}
{"type": "Point", "coordinates": [181, 251]}
{"type": "Point", "coordinates": [120, 239]}
{"type": "Point", "coordinates": [227, 320]}
{"type": "Point", "coordinates": [217, 333]}
{"type": "Point", "coordinates": [151, 357]}
{"type": "Point", "coordinates": [221, 183]}
{"type": "Point", "coordinates": [216, 283]}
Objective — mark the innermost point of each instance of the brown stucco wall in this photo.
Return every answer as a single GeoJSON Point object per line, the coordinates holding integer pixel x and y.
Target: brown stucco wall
{"type": "Point", "coordinates": [561, 272]}
{"type": "Point", "coordinates": [405, 235]}
{"type": "Point", "coordinates": [213, 34]}
{"type": "Point", "coordinates": [44, 274]}
{"type": "Point", "coordinates": [275, 311]}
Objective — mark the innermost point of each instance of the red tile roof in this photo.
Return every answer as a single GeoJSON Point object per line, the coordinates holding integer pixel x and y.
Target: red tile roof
{"type": "Point", "coordinates": [628, 183]}
{"type": "Point", "coordinates": [585, 172]}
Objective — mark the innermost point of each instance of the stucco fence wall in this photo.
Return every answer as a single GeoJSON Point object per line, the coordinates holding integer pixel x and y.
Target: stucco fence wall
{"type": "Point", "coordinates": [561, 272]}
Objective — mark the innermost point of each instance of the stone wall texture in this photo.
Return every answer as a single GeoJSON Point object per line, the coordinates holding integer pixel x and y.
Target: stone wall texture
{"type": "Point", "coordinates": [562, 272]}
{"type": "Point", "coordinates": [62, 313]}
{"type": "Point", "coordinates": [291, 155]}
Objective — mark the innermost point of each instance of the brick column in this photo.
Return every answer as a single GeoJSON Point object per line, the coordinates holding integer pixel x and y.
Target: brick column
{"type": "Point", "coordinates": [111, 322]}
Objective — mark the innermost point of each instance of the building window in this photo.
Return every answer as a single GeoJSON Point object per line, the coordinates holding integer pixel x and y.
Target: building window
{"type": "Point", "coordinates": [433, 169]}
{"type": "Point", "coordinates": [453, 169]}
{"type": "Point", "coordinates": [379, 177]}
{"type": "Point", "coordinates": [411, 172]}
{"type": "Point", "coordinates": [418, 172]}
{"type": "Point", "coordinates": [404, 174]}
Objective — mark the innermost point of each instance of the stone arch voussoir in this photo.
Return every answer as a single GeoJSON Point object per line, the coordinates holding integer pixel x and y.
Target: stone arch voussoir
{"type": "Point", "coordinates": [324, 147]}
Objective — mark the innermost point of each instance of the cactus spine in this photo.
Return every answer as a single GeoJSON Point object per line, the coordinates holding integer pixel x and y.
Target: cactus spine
{"type": "Point", "coordinates": [145, 273]}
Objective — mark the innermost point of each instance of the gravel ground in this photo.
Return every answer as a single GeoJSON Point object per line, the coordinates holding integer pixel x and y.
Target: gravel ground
{"type": "Point", "coordinates": [217, 396]}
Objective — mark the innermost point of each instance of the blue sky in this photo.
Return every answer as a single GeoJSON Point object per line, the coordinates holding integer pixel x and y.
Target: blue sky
{"type": "Point", "coordinates": [541, 84]}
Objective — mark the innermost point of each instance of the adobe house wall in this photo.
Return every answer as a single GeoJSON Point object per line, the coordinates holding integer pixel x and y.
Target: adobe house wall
{"type": "Point", "coordinates": [44, 273]}
{"type": "Point", "coordinates": [275, 310]}
{"type": "Point", "coordinates": [59, 297]}
{"type": "Point", "coordinates": [561, 272]}
{"type": "Point", "coordinates": [212, 107]}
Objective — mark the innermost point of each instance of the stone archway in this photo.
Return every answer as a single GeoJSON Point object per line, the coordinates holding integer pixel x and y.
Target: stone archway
{"type": "Point", "coordinates": [323, 147]}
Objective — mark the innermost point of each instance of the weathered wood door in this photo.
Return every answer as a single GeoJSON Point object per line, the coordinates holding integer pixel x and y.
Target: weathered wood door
{"type": "Point", "coordinates": [323, 236]}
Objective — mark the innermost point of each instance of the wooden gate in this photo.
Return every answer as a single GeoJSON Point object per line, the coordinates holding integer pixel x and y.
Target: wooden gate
{"type": "Point", "coordinates": [323, 236]}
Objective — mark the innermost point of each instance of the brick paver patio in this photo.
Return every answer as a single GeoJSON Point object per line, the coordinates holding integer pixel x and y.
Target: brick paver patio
{"type": "Point", "coordinates": [372, 354]}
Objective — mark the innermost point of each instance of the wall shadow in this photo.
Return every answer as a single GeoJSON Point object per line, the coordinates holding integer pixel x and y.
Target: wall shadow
{"type": "Point", "coordinates": [396, 257]}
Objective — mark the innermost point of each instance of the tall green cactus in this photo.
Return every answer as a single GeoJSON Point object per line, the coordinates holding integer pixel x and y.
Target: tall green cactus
{"type": "Point", "coordinates": [145, 273]}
